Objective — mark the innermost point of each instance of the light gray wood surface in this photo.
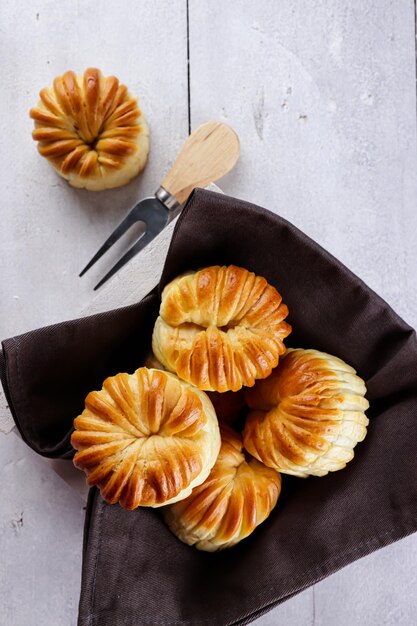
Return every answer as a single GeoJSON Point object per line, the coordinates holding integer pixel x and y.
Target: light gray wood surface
{"type": "Point", "coordinates": [322, 95]}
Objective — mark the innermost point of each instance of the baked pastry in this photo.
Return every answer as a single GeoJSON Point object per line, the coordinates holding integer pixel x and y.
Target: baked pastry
{"type": "Point", "coordinates": [307, 416]}
{"type": "Point", "coordinates": [238, 495]}
{"type": "Point", "coordinates": [91, 130]}
{"type": "Point", "coordinates": [220, 328]}
{"type": "Point", "coordinates": [228, 405]}
{"type": "Point", "coordinates": [146, 439]}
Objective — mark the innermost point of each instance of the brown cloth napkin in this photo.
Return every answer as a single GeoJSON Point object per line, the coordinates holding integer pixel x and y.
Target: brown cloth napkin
{"type": "Point", "coordinates": [135, 572]}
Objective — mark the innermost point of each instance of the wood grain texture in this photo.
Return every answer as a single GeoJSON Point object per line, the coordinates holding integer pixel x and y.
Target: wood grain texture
{"type": "Point", "coordinates": [52, 229]}
{"type": "Point", "coordinates": [322, 95]}
{"type": "Point", "coordinates": [209, 153]}
{"type": "Point", "coordinates": [49, 232]}
{"type": "Point", "coordinates": [41, 522]}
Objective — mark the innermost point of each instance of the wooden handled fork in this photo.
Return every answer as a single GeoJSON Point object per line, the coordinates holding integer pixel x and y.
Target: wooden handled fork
{"type": "Point", "coordinates": [208, 154]}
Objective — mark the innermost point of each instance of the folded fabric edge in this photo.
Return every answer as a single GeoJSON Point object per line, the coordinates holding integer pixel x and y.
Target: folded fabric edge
{"type": "Point", "coordinates": [274, 217]}
{"type": "Point", "coordinates": [6, 389]}
{"type": "Point", "coordinates": [93, 543]}
{"type": "Point", "coordinates": [8, 415]}
{"type": "Point", "coordinates": [6, 418]}
{"type": "Point", "coordinates": [63, 448]}
{"type": "Point", "coordinates": [331, 566]}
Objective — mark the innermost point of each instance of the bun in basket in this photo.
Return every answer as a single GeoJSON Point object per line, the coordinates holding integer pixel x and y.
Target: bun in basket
{"type": "Point", "coordinates": [238, 495]}
{"type": "Point", "coordinates": [307, 416]}
{"type": "Point", "coordinates": [220, 328]}
{"type": "Point", "coordinates": [91, 130]}
{"type": "Point", "coordinates": [146, 439]}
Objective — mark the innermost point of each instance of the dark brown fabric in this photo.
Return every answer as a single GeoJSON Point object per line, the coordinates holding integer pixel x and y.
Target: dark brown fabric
{"type": "Point", "coordinates": [135, 572]}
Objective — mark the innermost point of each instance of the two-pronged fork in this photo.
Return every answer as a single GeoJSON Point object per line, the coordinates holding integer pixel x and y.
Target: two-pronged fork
{"type": "Point", "coordinates": [208, 154]}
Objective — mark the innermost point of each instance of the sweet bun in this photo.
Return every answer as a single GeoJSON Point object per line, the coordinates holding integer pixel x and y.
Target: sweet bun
{"type": "Point", "coordinates": [307, 417]}
{"type": "Point", "coordinates": [146, 439]}
{"type": "Point", "coordinates": [238, 495]}
{"type": "Point", "coordinates": [91, 130]}
{"type": "Point", "coordinates": [220, 328]}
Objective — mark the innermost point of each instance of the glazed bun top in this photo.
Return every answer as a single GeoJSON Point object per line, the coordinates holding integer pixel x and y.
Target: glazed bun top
{"type": "Point", "coordinates": [238, 495]}
{"type": "Point", "coordinates": [91, 130]}
{"type": "Point", "coordinates": [220, 328]}
{"type": "Point", "coordinates": [307, 417]}
{"type": "Point", "coordinates": [146, 439]}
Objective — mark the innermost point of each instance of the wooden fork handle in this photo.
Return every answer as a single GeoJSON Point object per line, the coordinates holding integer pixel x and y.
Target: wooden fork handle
{"type": "Point", "coordinates": [208, 154]}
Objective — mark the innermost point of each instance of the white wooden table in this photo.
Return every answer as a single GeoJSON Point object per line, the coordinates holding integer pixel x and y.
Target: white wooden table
{"type": "Point", "coordinates": [322, 95]}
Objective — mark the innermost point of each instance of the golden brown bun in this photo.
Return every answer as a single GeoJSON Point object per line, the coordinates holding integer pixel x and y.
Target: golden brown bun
{"type": "Point", "coordinates": [220, 328]}
{"type": "Point", "coordinates": [307, 416]}
{"type": "Point", "coordinates": [228, 405]}
{"type": "Point", "coordinates": [91, 130]}
{"type": "Point", "coordinates": [237, 496]}
{"type": "Point", "coordinates": [146, 439]}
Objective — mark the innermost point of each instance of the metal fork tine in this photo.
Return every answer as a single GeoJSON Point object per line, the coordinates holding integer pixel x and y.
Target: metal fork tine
{"type": "Point", "coordinates": [132, 217]}
{"type": "Point", "coordinates": [137, 247]}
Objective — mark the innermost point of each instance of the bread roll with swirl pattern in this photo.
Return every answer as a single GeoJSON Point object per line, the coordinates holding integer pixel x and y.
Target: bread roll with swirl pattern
{"type": "Point", "coordinates": [238, 495]}
{"type": "Point", "coordinates": [91, 130]}
{"type": "Point", "coordinates": [307, 416]}
{"type": "Point", "coordinates": [220, 328]}
{"type": "Point", "coordinates": [146, 439]}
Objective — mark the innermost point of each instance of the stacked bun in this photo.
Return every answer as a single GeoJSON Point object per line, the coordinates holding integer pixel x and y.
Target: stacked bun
{"type": "Point", "coordinates": [152, 438]}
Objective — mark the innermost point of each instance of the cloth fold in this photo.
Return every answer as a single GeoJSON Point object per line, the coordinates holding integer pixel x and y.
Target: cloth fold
{"type": "Point", "coordinates": [135, 572]}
